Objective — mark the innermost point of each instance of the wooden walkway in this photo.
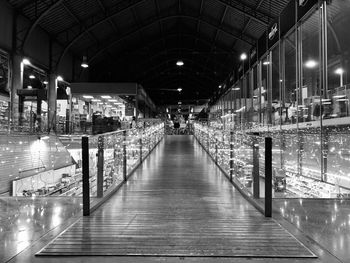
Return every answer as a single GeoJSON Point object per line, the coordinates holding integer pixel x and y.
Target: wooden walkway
{"type": "Point", "coordinates": [177, 204]}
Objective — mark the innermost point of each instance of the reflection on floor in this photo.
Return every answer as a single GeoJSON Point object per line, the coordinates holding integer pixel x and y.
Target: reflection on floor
{"type": "Point", "coordinates": [179, 205]}
{"type": "Point", "coordinates": [325, 221]}
{"type": "Point", "coordinates": [214, 176]}
{"type": "Point", "coordinates": [25, 220]}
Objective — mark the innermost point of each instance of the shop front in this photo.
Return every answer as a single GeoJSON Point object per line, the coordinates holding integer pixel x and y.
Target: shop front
{"type": "Point", "coordinates": [298, 93]}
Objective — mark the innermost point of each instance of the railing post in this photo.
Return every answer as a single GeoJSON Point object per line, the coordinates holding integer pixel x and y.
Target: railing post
{"type": "Point", "coordinates": [86, 177]}
{"type": "Point", "coordinates": [140, 141]}
{"type": "Point", "coordinates": [124, 157]}
{"type": "Point", "coordinates": [268, 177]}
{"type": "Point", "coordinates": [256, 180]}
{"type": "Point", "coordinates": [208, 142]}
{"type": "Point", "coordinates": [231, 155]}
{"type": "Point", "coordinates": [100, 163]}
{"type": "Point", "coordinates": [216, 151]}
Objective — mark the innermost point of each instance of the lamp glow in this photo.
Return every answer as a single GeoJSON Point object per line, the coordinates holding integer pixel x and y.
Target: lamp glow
{"type": "Point", "coordinates": [339, 71]}
{"type": "Point", "coordinates": [179, 89]}
{"type": "Point", "coordinates": [84, 63]}
{"type": "Point", "coordinates": [179, 63]}
{"type": "Point", "coordinates": [59, 78]}
{"type": "Point", "coordinates": [26, 61]}
{"type": "Point", "coordinates": [310, 63]}
{"type": "Point", "coordinates": [243, 56]}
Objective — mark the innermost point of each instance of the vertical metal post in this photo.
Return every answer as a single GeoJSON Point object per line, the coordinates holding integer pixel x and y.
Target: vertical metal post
{"type": "Point", "coordinates": [140, 149]}
{"type": "Point", "coordinates": [86, 177]}
{"type": "Point", "coordinates": [256, 179]}
{"type": "Point", "coordinates": [208, 142]}
{"type": "Point", "coordinates": [268, 177]}
{"type": "Point", "coordinates": [216, 151]}
{"type": "Point", "coordinates": [124, 157]}
{"type": "Point", "coordinates": [231, 155]}
{"type": "Point", "coordinates": [100, 162]}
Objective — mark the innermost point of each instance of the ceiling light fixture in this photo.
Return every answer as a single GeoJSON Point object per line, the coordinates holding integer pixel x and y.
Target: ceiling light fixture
{"type": "Point", "coordinates": [45, 82]}
{"type": "Point", "coordinates": [243, 56]}
{"type": "Point", "coordinates": [59, 78]}
{"type": "Point", "coordinates": [88, 97]}
{"type": "Point", "coordinates": [106, 97]}
{"type": "Point", "coordinates": [179, 63]}
{"type": "Point", "coordinates": [339, 71]}
{"type": "Point", "coordinates": [179, 89]}
{"type": "Point", "coordinates": [31, 76]}
{"type": "Point", "coordinates": [310, 63]}
{"type": "Point", "coordinates": [84, 63]}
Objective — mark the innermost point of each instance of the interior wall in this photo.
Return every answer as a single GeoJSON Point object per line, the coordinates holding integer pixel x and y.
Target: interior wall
{"type": "Point", "coordinates": [6, 15]}
{"type": "Point", "coordinates": [37, 47]}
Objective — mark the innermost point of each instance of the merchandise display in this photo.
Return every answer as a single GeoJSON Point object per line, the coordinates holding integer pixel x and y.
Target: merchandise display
{"type": "Point", "coordinates": [115, 149]}
{"type": "Point", "coordinates": [64, 181]}
{"type": "Point", "coordinates": [295, 161]}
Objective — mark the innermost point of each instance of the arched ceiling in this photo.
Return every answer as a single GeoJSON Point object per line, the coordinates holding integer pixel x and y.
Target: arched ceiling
{"type": "Point", "coordinates": [141, 40]}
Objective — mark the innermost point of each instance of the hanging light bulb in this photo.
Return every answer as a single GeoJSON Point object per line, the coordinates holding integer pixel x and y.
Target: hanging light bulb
{"type": "Point", "coordinates": [84, 63]}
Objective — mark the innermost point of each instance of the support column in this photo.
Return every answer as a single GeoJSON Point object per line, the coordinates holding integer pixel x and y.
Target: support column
{"type": "Point", "coordinates": [16, 84]}
{"type": "Point", "coordinates": [137, 103]}
{"type": "Point", "coordinates": [52, 102]}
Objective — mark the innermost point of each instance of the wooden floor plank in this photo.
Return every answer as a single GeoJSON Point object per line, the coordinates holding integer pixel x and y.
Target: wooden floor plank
{"type": "Point", "coordinates": [177, 204]}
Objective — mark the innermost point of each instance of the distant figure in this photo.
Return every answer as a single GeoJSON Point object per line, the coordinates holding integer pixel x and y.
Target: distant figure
{"type": "Point", "coordinates": [176, 125]}
{"type": "Point", "coordinates": [133, 123]}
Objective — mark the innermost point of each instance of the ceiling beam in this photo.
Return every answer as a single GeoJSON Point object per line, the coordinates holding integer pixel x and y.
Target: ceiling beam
{"type": "Point", "coordinates": [130, 4]}
{"type": "Point", "coordinates": [259, 16]}
{"type": "Point", "coordinates": [37, 20]}
{"type": "Point", "coordinates": [250, 42]}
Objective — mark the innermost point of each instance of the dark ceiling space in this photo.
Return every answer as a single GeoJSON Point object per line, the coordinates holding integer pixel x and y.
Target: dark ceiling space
{"type": "Point", "coordinates": [141, 40]}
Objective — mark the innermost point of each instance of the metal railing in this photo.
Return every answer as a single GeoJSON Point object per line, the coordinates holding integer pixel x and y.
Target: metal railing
{"type": "Point", "coordinates": [109, 159]}
{"type": "Point", "coordinates": [246, 160]}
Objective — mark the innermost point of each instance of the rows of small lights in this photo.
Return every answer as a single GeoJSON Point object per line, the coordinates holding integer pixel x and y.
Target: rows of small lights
{"type": "Point", "coordinates": [150, 137]}
{"type": "Point", "coordinates": [105, 100]}
{"type": "Point", "coordinates": [209, 140]}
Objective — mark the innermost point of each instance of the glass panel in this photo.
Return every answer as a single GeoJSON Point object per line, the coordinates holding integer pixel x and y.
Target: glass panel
{"type": "Point", "coordinates": [338, 57]}
{"type": "Point", "coordinates": [264, 91]}
{"type": "Point", "coordinates": [276, 110]}
{"type": "Point", "coordinates": [309, 104]}
{"type": "Point", "coordinates": [289, 79]}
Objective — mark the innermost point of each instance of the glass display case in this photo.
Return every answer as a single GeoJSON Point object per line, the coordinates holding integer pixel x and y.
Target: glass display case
{"type": "Point", "coordinates": [302, 167]}
{"type": "Point", "coordinates": [114, 156]}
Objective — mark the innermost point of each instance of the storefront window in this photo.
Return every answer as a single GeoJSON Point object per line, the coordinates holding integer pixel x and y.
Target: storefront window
{"type": "Point", "coordinates": [277, 113]}
{"type": "Point", "coordinates": [254, 97]}
{"type": "Point", "coordinates": [4, 92]}
{"type": "Point", "coordinates": [310, 106]}
{"type": "Point", "coordinates": [264, 91]}
{"type": "Point", "coordinates": [338, 57]}
{"type": "Point", "coordinates": [289, 98]}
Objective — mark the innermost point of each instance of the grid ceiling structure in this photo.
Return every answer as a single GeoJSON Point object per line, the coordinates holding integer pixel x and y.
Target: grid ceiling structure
{"type": "Point", "coordinates": [141, 40]}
